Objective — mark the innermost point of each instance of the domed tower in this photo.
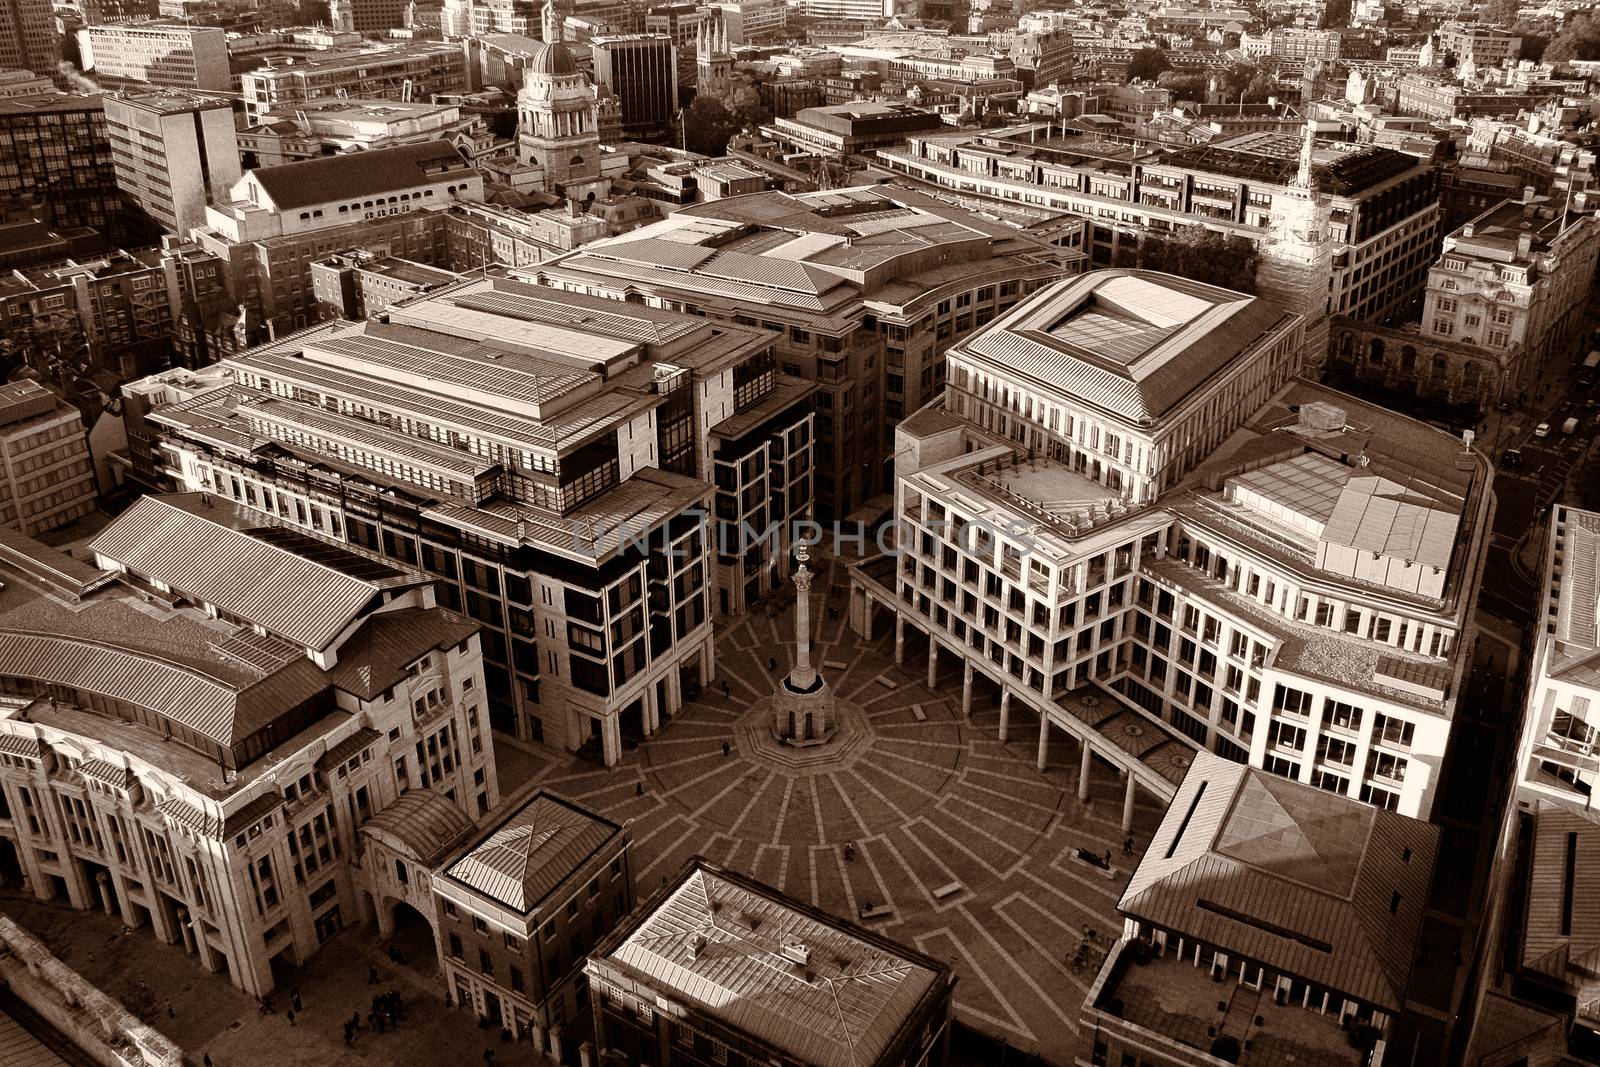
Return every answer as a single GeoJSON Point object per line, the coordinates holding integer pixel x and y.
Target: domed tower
{"type": "Point", "coordinates": [557, 127]}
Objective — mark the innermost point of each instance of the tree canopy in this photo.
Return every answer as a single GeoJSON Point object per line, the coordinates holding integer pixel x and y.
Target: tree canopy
{"type": "Point", "coordinates": [707, 125]}
{"type": "Point", "coordinates": [1201, 255]}
{"type": "Point", "coordinates": [1147, 64]}
{"type": "Point", "coordinates": [1578, 39]}
{"type": "Point", "coordinates": [1498, 12]}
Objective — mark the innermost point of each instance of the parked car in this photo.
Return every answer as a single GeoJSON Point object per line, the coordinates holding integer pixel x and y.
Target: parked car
{"type": "Point", "coordinates": [1542, 430]}
{"type": "Point", "coordinates": [1511, 458]}
{"type": "Point", "coordinates": [1570, 426]}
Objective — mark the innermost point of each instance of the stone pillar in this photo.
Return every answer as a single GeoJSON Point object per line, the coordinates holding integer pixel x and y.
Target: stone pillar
{"type": "Point", "coordinates": [803, 677]}
{"type": "Point", "coordinates": [586, 1055]}
{"type": "Point", "coordinates": [385, 919]}
{"type": "Point", "coordinates": [899, 639]}
{"type": "Point", "coordinates": [186, 931]}
{"type": "Point", "coordinates": [933, 662]}
{"type": "Point", "coordinates": [1127, 805]}
{"type": "Point", "coordinates": [1044, 738]}
{"type": "Point", "coordinates": [710, 659]}
{"type": "Point", "coordinates": [102, 885]}
{"type": "Point", "coordinates": [966, 691]}
{"type": "Point", "coordinates": [555, 1044]}
{"type": "Point", "coordinates": [1005, 713]}
{"type": "Point", "coordinates": [611, 740]}
{"type": "Point", "coordinates": [649, 716]}
{"type": "Point", "coordinates": [1084, 766]}
{"type": "Point", "coordinates": [536, 1032]}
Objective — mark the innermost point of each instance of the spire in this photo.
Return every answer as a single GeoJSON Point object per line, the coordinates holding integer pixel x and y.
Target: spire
{"type": "Point", "coordinates": [552, 22]}
{"type": "Point", "coordinates": [1302, 178]}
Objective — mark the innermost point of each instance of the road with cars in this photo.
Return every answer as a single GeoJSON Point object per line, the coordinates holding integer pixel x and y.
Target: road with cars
{"type": "Point", "coordinates": [1533, 468]}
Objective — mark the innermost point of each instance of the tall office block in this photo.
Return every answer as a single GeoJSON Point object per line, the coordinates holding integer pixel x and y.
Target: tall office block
{"type": "Point", "coordinates": [173, 155]}
{"type": "Point", "coordinates": [172, 55]}
{"type": "Point", "coordinates": [28, 38]}
{"type": "Point", "coordinates": [641, 68]}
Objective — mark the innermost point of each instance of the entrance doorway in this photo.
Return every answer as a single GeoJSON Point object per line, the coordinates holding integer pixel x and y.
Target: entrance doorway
{"type": "Point", "coordinates": [10, 865]}
{"type": "Point", "coordinates": [413, 936]}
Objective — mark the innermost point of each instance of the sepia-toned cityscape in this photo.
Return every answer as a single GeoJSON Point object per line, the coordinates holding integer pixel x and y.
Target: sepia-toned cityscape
{"type": "Point", "coordinates": [799, 533]}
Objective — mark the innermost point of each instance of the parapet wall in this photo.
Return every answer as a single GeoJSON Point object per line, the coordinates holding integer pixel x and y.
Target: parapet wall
{"type": "Point", "coordinates": [96, 1023]}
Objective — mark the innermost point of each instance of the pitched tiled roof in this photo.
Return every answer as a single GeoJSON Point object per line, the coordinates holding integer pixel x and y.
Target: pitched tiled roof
{"type": "Point", "coordinates": [821, 991]}
{"type": "Point", "coordinates": [532, 852]}
{"type": "Point", "coordinates": [375, 657]}
{"type": "Point", "coordinates": [223, 711]}
{"type": "Point", "coordinates": [301, 599]}
{"type": "Point", "coordinates": [358, 174]}
{"type": "Point", "coordinates": [1310, 883]}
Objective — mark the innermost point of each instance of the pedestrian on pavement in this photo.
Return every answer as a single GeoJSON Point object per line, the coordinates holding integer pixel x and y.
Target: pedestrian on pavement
{"type": "Point", "coordinates": [290, 1016]}
{"type": "Point", "coordinates": [206, 1060]}
{"type": "Point", "coordinates": [294, 1000]}
{"type": "Point", "coordinates": [726, 694]}
{"type": "Point", "coordinates": [372, 974]}
{"type": "Point", "coordinates": [1127, 846]}
{"type": "Point", "coordinates": [375, 1021]}
{"type": "Point", "coordinates": [638, 789]}
{"type": "Point", "coordinates": [170, 1013]}
{"type": "Point", "coordinates": [772, 663]}
{"type": "Point", "coordinates": [347, 1033]}
{"type": "Point", "coordinates": [355, 1019]}
{"type": "Point", "coordinates": [726, 748]}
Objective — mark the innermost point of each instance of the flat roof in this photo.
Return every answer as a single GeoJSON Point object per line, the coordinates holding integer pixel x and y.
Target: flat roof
{"type": "Point", "coordinates": [1132, 342]}
{"type": "Point", "coordinates": [824, 991]}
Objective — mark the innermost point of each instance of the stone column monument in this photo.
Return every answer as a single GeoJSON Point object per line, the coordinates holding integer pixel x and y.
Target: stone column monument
{"type": "Point", "coordinates": [803, 707]}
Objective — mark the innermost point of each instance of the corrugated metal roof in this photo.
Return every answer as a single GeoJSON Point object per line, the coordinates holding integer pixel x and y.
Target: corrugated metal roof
{"type": "Point", "coordinates": [375, 657]}
{"type": "Point", "coordinates": [292, 597]}
{"type": "Point", "coordinates": [532, 852]}
{"type": "Point", "coordinates": [1287, 874]}
{"type": "Point", "coordinates": [421, 823]}
{"type": "Point", "coordinates": [722, 946]}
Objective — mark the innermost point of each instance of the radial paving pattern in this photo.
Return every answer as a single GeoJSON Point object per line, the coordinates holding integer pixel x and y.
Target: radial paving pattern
{"type": "Point", "coordinates": [957, 833]}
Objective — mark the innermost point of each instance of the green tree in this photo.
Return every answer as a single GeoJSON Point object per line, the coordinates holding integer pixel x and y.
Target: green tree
{"type": "Point", "coordinates": [1185, 86]}
{"type": "Point", "coordinates": [1498, 12]}
{"type": "Point", "coordinates": [1201, 255]}
{"type": "Point", "coordinates": [707, 125]}
{"type": "Point", "coordinates": [1147, 64]}
{"type": "Point", "coordinates": [1578, 39]}
{"type": "Point", "coordinates": [748, 108]}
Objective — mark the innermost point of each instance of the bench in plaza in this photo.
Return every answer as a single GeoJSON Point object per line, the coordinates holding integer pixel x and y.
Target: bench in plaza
{"type": "Point", "coordinates": [886, 681]}
{"type": "Point", "coordinates": [949, 889]}
{"type": "Point", "coordinates": [922, 716]}
{"type": "Point", "coordinates": [877, 911]}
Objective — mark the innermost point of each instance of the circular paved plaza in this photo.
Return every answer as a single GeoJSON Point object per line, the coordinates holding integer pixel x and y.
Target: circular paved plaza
{"type": "Point", "coordinates": [967, 845]}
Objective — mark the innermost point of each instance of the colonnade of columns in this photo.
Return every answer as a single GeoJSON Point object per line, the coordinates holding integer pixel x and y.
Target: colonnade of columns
{"type": "Point", "coordinates": [968, 676]}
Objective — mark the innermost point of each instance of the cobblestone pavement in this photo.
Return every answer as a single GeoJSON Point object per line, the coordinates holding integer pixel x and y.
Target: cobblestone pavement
{"type": "Point", "coordinates": [210, 1017]}
{"type": "Point", "coordinates": [969, 845]}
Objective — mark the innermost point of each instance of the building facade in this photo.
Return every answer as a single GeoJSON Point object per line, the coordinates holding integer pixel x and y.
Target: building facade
{"type": "Point", "coordinates": [560, 488]}
{"type": "Point", "coordinates": [46, 475]}
{"type": "Point", "coordinates": [1191, 534]}
{"type": "Point", "coordinates": [173, 155]}
{"type": "Point", "coordinates": [1367, 217]}
{"type": "Point", "coordinates": [409, 72]}
{"type": "Point", "coordinates": [687, 979]}
{"type": "Point", "coordinates": [28, 36]}
{"type": "Point", "coordinates": [518, 909]}
{"type": "Point", "coordinates": [1516, 280]}
{"type": "Point", "coordinates": [1540, 1002]}
{"type": "Point", "coordinates": [1297, 914]}
{"type": "Point", "coordinates": [57, 144]}
{"type": "Point", "coordinates": [156, 52]}
{"type": "Point", "coordinates": [276, 221]}
{"type": "Point", "coordinates": [642, 70]}
{"type": "Point", "coordinates": [318, 686]}
{"type": "Point", "coordinates": [865, 311]}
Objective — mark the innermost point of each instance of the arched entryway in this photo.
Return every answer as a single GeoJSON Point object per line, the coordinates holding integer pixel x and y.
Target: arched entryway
{"type": "Point", "coordinates": [412, 937]}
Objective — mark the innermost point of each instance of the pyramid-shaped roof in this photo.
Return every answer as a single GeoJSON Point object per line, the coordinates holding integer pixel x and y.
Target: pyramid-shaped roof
{"type": "Point", "coordinates": [1310, 883]}
{"type": "Point", "coordinates": [532, 852]}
